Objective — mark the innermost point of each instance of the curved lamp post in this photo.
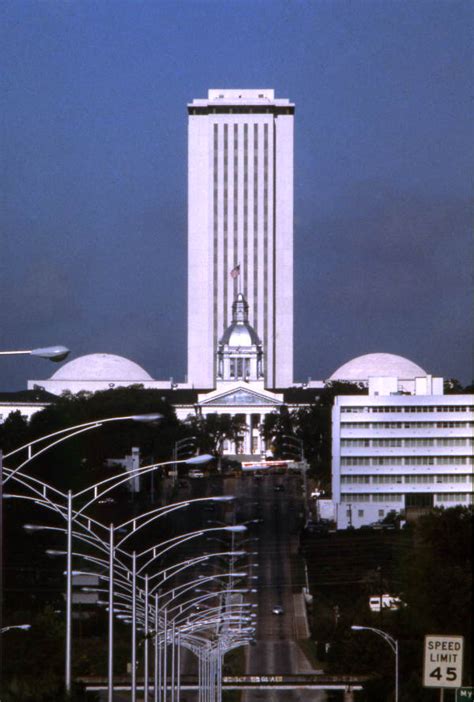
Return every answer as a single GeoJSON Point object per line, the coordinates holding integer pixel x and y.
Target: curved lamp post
{"type": "Point", "coordinates": [51, 353]}
{"type": "Point", "coordinates": [393, 643]}
{"type": "Point", "coordinates": [24, 627]}
{"type": "Point", "coordinates": [43, 490]}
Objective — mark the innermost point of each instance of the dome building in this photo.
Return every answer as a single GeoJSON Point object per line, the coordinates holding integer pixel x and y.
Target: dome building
{"type": "Point", "coordinates": [381, 366]}
{"type": "Point", "coordinates": [240, 353]}
{"type": "Point", "coordinates": [95, 371]}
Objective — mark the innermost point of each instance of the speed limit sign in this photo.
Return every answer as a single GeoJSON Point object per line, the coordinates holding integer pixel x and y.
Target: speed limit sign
{"type": "Point", "coordinates": [443, 661]}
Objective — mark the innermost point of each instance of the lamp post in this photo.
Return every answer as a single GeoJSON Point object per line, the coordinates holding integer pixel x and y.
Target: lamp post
{"type": "Point", "coordinates": [24, 627]}
{"type": "Point", "coordinates": [293, 443]}
{"type": "Point", "coordinates": [393, 643]}
{"type": "Point", "coordinates": [67, 509]}
{"type": "Point", "coordinates": [132, 526]}
{"type": "Point", "coordinates": [185, 445]}
{"type": "Point", "coordinates": [91, 494]}
{"type": "Point", "coordinates": [51, 353]}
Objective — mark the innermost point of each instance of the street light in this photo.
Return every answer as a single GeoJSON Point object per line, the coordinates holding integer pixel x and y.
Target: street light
{"type": "Point", "coordinates": [66, 511]}
{"type": "Point", "coordinates": [24, 627]}
{"type": "Point", "coordinates": [393, 643]}
{"type": "Point", "coordinates": [51, 353]}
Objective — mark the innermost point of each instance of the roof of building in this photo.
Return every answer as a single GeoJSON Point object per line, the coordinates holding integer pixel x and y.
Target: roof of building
{"type": "Point", "coordinates": [378, 364]}
{"type": "Point", "coordinates": [101, 366]}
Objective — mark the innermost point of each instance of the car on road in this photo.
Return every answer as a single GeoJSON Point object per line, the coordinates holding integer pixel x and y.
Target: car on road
{"type": "Point", "coordinates": [278, 487]}
{"type": "Point", "coordinates": [379, 526]}
{"type": "Point", "coordinates": [278, 609]}
{"type": "Point", "coordinates": [195, 473]}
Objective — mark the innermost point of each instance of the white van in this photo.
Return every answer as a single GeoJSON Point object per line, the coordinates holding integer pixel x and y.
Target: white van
{"type": "Point", "coordinates": [384, 602]}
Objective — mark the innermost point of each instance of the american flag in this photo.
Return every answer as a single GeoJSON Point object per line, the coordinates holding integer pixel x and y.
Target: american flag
{"type": "Point", "coordinates": [235, 272]}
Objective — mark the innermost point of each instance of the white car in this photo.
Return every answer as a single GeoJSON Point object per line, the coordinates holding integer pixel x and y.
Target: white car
{"type": "Point", "coordinates": [195, 473]}
{"type": "Point", "coordinates": [278, 609]}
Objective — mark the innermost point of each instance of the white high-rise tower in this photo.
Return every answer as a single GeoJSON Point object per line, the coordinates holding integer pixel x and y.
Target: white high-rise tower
{"type": "Point", "coordinates": [240, 214]}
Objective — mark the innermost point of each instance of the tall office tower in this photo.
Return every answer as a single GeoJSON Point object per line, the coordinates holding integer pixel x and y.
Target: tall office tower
{"type": "Point", "coordinates": [240, 227]}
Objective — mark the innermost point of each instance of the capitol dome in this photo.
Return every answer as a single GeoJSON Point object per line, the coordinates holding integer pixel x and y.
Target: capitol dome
{"type": "Point", "coordinates": [378, 365]}
{"type": "Point", "coordinates": [101, 366]}
{"type": "Point", "coordinates": [240, 333]}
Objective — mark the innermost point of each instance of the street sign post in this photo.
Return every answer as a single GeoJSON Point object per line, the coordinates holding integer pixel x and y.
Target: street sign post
{"type": "Point", "coordinates": [443, 660]}
{"type": "Point", "coordinates": [465, 694]}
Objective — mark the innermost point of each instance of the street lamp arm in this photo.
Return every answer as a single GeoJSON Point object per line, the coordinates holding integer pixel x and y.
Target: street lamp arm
{"type": "Point", "coordinates": [190, 585]}
{"type": "Point", "coordinates": [116, 480]}
{"type": "Point", "coordinates": [393, 643]}
{"type": "Point", "coordinates": [162, 511]}
{"type": "Point", "coordinates": [35, 485]}
{"type": "Point", "coordinates": [92, 559]}
{"type": "Point", "coordinates": [71, 431]}
{"type": "Point", "coordinates": [50, 353]}
{"type": "Point", "coordinates": [85, 524]}
{"type": "Point", "coordinates": [172, 543]}
{"type": "Point", "coordinates": [389, 639]}
{"type": "Point", "coordinates": [173, 570]}
{"type": "Point", "coordinates": [202, 598]}
{"type": "Point", "coordinates": [46, 448]}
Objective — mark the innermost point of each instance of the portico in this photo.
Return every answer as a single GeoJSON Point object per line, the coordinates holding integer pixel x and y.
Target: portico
{"type": "Point", "coordinates": [249, 401]}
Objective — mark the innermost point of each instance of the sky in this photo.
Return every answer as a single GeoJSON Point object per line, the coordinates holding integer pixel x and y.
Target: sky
{"type": "Point", "coordinates": [94, 183]}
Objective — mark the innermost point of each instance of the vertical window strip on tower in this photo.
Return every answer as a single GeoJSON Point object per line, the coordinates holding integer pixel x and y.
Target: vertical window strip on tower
{"type": "Point", "coordinates": [255, 226]}
{"type": "Point", "coordinates": [265, 245]}
{"type": "Point", "coordinates": [246, 204]}
{"type": "Point", "coordinates": [236, 203]}
{"type": "Point", "coordinates": [215, 229]}
{"type": "Point", "coordinates": [225, 248]}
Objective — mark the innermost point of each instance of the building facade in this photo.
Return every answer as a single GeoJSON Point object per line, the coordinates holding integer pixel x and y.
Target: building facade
{"type": "Point", "coordinates": [240, 227]}
{"type": "Point", "coordinates": [401, 452]}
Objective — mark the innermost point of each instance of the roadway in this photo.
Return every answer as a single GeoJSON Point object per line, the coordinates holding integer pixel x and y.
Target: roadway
{"type": "Point", "coordinates": [277, 499]}
{"type": "Point", "coordinates": [276, 651]}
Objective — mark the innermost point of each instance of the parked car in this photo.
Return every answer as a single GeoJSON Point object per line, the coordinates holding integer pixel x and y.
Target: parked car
{"type": "Point", "coordinates": [381, 526]}
{"type": "Point", "coordinates": [195, 473]}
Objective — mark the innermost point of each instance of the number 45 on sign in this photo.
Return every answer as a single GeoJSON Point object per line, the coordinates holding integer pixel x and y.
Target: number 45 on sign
{"type": "Point", "coordinates": [443, 661]}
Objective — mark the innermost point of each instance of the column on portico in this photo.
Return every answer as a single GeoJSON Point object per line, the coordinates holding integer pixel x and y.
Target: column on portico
{"type": "Point", "coordinates": [248, 434]}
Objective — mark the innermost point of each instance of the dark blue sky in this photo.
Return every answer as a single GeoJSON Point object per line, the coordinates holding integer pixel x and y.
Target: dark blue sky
{"type": "Point", "coordinates": [94, 148]}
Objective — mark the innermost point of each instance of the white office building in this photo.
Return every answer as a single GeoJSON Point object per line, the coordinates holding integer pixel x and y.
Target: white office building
{"type": "Point", "coordinates": [240, 228]}
{"type": "Point", "coordinates": [397, 451]}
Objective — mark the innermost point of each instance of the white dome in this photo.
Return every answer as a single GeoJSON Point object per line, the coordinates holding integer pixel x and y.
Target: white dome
{"type": "Point", "coordinates": [101, 366]}
{"type": "Point", "coordinates": [378, 364]}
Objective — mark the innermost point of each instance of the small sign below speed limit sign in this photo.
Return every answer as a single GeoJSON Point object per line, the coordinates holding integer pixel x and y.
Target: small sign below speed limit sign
{"type": "Point", "coordinates": [443, 661]}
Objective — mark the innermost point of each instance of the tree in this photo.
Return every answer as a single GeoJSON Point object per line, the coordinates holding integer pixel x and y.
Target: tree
{"type": "Point", "coordinates": [78, 461]}
{"type": "Point", "coordinates": [452, 386]}
{"type": "Point", "coordinates": [434, 578]}
{"type": "Point", "coordinates": [276, 426]}
{"type": "Point", "coordinates": [13, 432]}
{"type": "Point", "coordinates": [212, 430]}
{"type": "Point", "coordinates": [311, 426]}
